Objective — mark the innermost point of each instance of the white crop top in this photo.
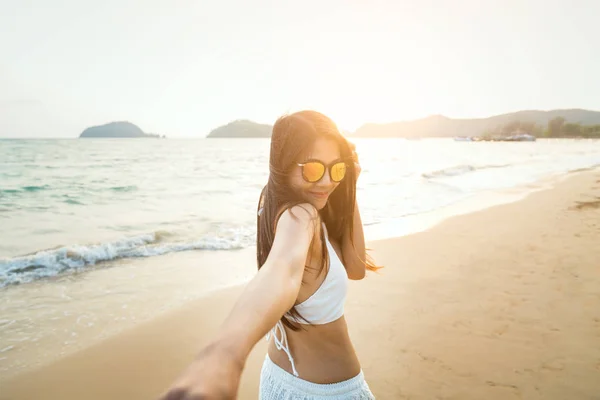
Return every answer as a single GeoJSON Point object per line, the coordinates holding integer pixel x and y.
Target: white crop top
{"type": "Point", "coordinates": [325, 305]}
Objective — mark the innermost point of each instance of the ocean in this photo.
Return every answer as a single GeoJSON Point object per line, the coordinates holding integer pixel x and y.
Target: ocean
{"type": "Point", "coordinates": [99, 234]}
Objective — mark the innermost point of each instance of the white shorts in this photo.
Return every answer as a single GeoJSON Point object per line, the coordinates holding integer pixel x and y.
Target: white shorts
{"type": "Point", "coordinates": [278, 384]}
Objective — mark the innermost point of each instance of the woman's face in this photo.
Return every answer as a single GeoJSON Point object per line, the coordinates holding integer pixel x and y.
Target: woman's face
{"type": "Point", "coordinates": [326, 151]}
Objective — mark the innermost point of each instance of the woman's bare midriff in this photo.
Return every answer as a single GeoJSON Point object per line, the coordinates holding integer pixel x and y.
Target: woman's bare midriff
{"type": "Point", "coordinates": [322, 353]}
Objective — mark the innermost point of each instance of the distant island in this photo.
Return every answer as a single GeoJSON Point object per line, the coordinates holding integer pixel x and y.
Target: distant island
{"type": "Point", "coordinates": [532, 122]}
{"type": "Point", "coordinates": [122, 129]}
{"type": "Point", "coordinates": [242, 129]}
{"type": "Point", "coordinates": [554, 123]}
{"type": "Point", "coordinates": [557, 127]}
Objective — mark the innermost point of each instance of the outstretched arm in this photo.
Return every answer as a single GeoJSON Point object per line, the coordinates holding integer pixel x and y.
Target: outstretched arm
{"type": "Point", "coordinates": [275, 288]}
{"type": "Point", "coordinates": [215, 373]}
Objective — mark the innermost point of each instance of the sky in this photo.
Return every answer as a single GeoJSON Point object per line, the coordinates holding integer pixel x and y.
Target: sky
{"type": "Point", "coordinates": [183, 68]}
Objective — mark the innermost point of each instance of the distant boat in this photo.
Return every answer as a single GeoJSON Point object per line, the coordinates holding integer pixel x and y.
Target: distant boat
{"type": "Point", "coordinates": [521, 137]}
{"type": "Point", "coordinates": [517, 137]}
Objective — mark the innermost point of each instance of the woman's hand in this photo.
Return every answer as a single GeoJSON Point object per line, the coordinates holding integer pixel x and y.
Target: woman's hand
{"type": "Point", "coordinates": [214, 374]}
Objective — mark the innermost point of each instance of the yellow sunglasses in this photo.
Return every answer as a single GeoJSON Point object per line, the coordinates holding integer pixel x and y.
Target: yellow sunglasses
{"type": "Point", "coordinates": [314, 170]}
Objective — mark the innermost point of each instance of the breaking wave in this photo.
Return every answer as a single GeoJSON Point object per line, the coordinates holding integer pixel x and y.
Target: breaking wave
{"type": "Point", "coordinates": [65, 259]}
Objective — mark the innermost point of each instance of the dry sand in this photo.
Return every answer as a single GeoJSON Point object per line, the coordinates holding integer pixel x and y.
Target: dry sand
{"type": "Point", "coordinates": [499, 304]}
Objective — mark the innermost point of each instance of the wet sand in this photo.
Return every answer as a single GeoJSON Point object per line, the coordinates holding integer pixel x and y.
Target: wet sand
{"type": "Point", "coordinates": [503, 303]}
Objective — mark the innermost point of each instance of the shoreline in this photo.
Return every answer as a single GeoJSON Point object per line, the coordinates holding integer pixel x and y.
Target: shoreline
{"type": "Point", "coordinates": [72, 313]}
{"type": "Point", "coordinates": [417, 331]}
{"type": "Point", "coordinates": [421, 222]}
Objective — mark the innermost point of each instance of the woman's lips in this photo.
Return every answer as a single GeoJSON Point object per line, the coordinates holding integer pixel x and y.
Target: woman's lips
{"type": "Point", "coordinates": [319, 195]}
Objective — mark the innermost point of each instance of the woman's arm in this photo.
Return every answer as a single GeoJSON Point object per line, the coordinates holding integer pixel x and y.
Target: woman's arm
{"type": "Point", "coordinates": [216, 371]}
{"type": "Point", "coordinates": [355, 256]}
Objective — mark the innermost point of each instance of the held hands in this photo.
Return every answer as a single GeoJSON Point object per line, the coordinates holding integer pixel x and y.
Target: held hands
{"type": "Point", "coordinates": [213, 375]}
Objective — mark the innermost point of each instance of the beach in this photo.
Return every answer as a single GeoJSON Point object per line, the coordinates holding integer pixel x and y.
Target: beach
{"type": "Point", "coordinates": [502, 303]}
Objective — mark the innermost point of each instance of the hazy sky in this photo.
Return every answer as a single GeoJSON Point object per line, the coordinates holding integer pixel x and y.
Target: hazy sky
{"type": "Point", "coordinates": [181, 68]}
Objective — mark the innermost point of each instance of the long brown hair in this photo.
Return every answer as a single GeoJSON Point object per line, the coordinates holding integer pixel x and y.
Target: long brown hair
{"type": "Point", "coordinates": [293, 136]}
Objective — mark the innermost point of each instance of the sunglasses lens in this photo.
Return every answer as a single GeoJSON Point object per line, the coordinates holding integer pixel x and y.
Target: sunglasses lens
{"type": "Point", "coordinates": [313, 171]}
{"type": "Point", "coordinates": [338, 171]}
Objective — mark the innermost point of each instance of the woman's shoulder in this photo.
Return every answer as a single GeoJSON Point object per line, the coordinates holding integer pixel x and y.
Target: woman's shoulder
{"type": "Point", "coordinates": [306, 208]}
{"type": "Point", "coordinates": [299, 216]}
{"type": "Point", "coordinates": [296, 231]}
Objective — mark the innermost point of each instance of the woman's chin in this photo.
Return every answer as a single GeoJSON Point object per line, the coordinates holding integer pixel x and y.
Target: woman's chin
{"type": "Point", "coordinates": [319, 204]}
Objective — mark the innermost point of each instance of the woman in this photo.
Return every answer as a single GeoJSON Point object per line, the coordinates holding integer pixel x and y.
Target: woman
{"type": "Point", "coordinates": [309, 242]}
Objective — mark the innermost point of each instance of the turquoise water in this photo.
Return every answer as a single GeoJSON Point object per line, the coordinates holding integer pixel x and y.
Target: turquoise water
{"type": "Point", "coordinates": [69, 205]}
